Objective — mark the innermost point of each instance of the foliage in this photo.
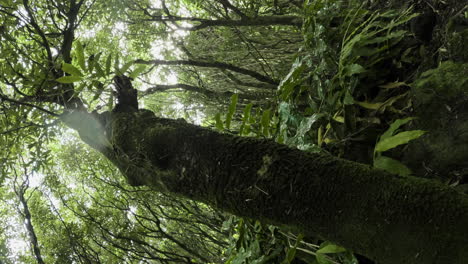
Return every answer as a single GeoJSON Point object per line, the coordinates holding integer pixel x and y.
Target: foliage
{"type": "Point", "coordinates": [328, 98]}
{"type": "Point", "coordinates": [339, 80]}
{"type": "Point", "coordinates": [389, 140]}
{"type": "Point", "coordinates": [339, 88]}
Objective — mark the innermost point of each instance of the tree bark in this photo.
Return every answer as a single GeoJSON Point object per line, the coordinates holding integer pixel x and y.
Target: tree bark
{"type": "Point", "coordinates": [36, 250]}
{"type": "Point", "coordinates": [206, 92]}
{"type": "Point", "coordinates": [243, 22]}
{"type": "Point", "coordinates": [388, 218]}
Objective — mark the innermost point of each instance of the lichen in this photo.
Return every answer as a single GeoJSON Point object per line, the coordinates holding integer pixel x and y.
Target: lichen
{"type": "Point", "coordinates": [267, 161]}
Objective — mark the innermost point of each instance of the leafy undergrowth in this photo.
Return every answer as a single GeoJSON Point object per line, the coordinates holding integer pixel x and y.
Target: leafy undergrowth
{"type": "Point", "coordinates": [348, 93]}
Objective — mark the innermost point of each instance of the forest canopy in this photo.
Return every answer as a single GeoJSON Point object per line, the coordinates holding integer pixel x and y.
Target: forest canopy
{"type": "Point", "coordinates": [233, 131]}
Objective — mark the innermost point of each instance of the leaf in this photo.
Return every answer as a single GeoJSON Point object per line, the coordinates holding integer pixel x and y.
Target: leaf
{"type": "Point", "coordinates": [290, 255]}
{"type": "Point", "coordinates": [265, 121]}
{"type": "Point", "coordinates": [391, 165]}
{"type": "Point", "coordinates": [291, 252]}
{"type": "Point", "coordinates": [353, 69]}
{"type": "Point", "coordinates": [330, 249]}
{"type": "Point", "coordinates": [306, 124]}
{"type": "Point", "coordinates": [108, 64]}
{"type": "Point", "coordinates": [99, 89]}
{"type": "Point", "coordinates": [339, 119]}
{"type": "Point", "coordinates": [139, 69]}
{"type": "Point", "coordinates": [100, 72]}
{"type": "Point", "coordinates": [398, 139]}
{"type": "Point", "coordinates": [70, 69]}
{"type": "Point", "coordinates": [116, 64]}
{"type": "Point", "coordinates": [125, 67]}
{"type": "Point", "coordinates": [367, 105]}
{"type": "Point", "coordinates": [348, 99]}
{"type": "Point", "coordinates": [69, 79]}
{"type": "Point", "coordinates": [80, 88]}
{"type": "Point", "coordinates": [219, 123]}
{"type": "Point", "coordinates": [231, 110]}
{"type": "Point", "coordinates": [245, 118]}
{"type": "Point", "coordinates": [394, 126]}
{"type": "Point", "coordinates": [110, 102]}
{"type": "Point", "coordinates": [286, 86]}
{"type": "Point", "coordinates": [322, 259]}
{"type": "Point", "coordinates": [392, 85]}
{"type": "Point", "coordinates": [390, 101]}
{"type": "Point", "coordinates": [80, 55]}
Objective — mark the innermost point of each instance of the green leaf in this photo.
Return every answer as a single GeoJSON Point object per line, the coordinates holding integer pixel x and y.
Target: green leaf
{"type": "Point", "coordinates": [69, 79]}
{"type": "Point", "coordinates": [393, 85]}
{"type": "Point", "coordinates": [110, 102]}
{"type": "Point", "coordinates": [398, 139]}
{"type": "Point", "coordinates": [139, 69]}
{"type": "Point", "coordinates": [353, 69]}
{"type": "Point", "coordinates": [100, 72]}
{"type": "Point", "coordinates": [306, 124]}
{"type": "Point", "coordinates": [322, 259]}
{"type": "Point", "coordinates": [290, 255]}
{"type": "Point", "coordinates": [291, 252]}
{"type": "Point", "coordinates": [367, 105]}
{"type": "Point", "coordinates": [391, 165]}
{"type": "Point", "coordinates": [287, 85]}
{"type": "Point", "coordinates": [70, 69]}
{"type": "Point", "coordinates": [231, 110]}
{"type": "Point", "coordinates": [99, 89]}
{"type": "Point", "coordinates": [245, 118]}
{"type": "Point", "coordinates": [219, 123]}
{"type": "Point", "coordinates": [265, 121]}
{"type": "Point", "coordinates": [80, 55]}
{"type": "Point", "coordinates": [116, 64]}
{"type": "Point", "coordinates": [125, 67]}
{"type": "Point", "coordinates": [348, 99]}
{"type": "Point", "coordinates": [108, 64]}
{"type": "Point", "coordinates": [330, 249]}
{"type": "Point", "coordinates": [394, 126]}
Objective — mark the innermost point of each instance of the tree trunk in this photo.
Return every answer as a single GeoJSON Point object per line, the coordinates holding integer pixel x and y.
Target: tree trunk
{"type": "Point", "coordinates": [389, 218]}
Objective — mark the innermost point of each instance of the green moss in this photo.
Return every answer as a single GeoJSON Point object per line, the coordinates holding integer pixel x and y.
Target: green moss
{"type": "Point", "coordinates": [457, 45]}
{"type": "Point", "coordinates": [449, 78]}
{"type": "Point", "coordinates": [439, 99]}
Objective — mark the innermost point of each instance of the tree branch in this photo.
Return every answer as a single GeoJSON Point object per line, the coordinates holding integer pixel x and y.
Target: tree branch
{"type": "Point", "coordinates": [45, 42]}
{"type": "Point", "coordinates": [258, 21]}
{"type": "Point", "coordinates": [209, 93]}
{"type": "Point", "coordinates": [216, 64]}
{"type": "Point", "coordinates": [4, 98]}
{"type": "Point", "coordinates": [236, 10]}
{"type": "Point", "coordinates": [20, 191]}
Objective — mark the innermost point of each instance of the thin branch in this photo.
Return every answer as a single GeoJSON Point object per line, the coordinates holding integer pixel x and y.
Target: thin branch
{"type": "Point", "coordinates": [216, 64]}
{"type": "Point", "coordinates": [236, 10]}
{"type": "Point", "coordinates": [27, 104]}
{"type": "Point", "coordinates": [209, 93]}
{"type": "Point", "coordinates": [205, 23]}
{"type": "Point", "coordinates": [28, 220]}
{"type": "Point", "coordinates": [45, 42]}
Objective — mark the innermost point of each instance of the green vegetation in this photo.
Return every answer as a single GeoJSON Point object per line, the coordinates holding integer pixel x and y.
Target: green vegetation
{"type": "Point", "coordinates": [376, 82]}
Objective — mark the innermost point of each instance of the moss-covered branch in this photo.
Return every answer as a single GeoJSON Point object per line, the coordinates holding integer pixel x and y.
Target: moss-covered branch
{"type": "Point", "coordinates": [388, 218]}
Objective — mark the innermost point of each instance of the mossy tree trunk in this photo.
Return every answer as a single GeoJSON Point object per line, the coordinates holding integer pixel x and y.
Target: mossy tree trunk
{"type": "Point", "coordinates": [388, 218]}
